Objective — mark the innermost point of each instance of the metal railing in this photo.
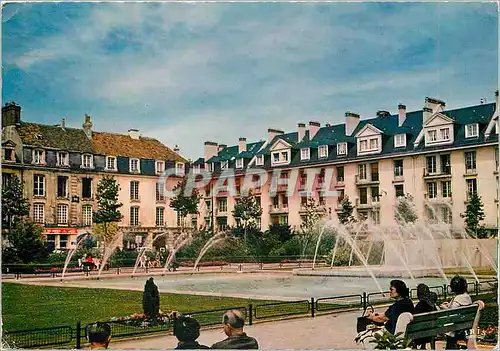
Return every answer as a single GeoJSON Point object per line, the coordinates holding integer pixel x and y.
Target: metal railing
{"type": "Point", "coordinates": [281, 309]}
{"type": "Point", "coordinates": [33, 338]}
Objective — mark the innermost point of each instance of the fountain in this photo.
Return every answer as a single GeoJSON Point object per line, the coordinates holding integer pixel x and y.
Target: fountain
{"type": "Point", "coordinates": [70, 254]}
{"type": "Point", "coordinates": [144, 248]}
{"type": "Point", "coordinates": [211, 242]}
{"type": "Point", "coordinates": [115, 243]}
{"type": "Point", "coordinates": [181, 241]}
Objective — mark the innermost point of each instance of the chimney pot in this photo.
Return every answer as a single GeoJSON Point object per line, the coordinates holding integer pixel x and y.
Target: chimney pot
{"type": "Point", "coordinates": [401, 114]}
{"type": "Point", "coordinates": [11, 114]}
{"type": "Point", "coordinates": [134, 133]}
{"type": "Point", "coordinates": [242, 145]}
{"type": "Point", "coordinates": [382, 113]}
{"type": "Point", "coordinates": [313, 128]}
{"type": "Point", "coordinates": [63, 123]}
{"type": "Point", "coordinates": [301, 131]}
{"type": "Point", "coordinates": [87, 126]}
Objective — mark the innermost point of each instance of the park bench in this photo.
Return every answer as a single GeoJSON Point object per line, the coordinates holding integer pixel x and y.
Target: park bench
{"type": "Point", "coordinates": [430, 324]}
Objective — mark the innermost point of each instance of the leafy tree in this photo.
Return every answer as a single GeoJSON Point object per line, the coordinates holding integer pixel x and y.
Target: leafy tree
{"type": "Point", "coordinates": [474, 214]}
{"type": "Point", "coordinates": [108, 215]}
{"type": "Point", "coordinates": [311, 217]}
{"type": "Point", "coordinates": [282, 231]}
{"type": "Point", "coordinates": [247, 211]}
{"type": "Point", "coordinates": [345, 215]}
{"type": "Point", "coordinates": [25, 243]}
{"type": "Point", "coordinates": [405, 210]}
{"type": "Point", "coordinates": [14, 205]}
{"type": "Point", "coordinates": [185, 205]}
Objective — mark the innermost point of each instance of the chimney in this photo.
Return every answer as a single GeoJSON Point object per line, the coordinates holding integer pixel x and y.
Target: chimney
{"type": "Point", "coordinates": [313, 128]}
{"type": "Point", "coordinates": [177, 150]}
{"type": "Point", "coordinates": [63, 124]}
{"type": "Point", "coordinates": [11, 114]}
{"type": "Point", "coordinates": [427, 114]}
{"type": "Point", "coordinates": [242, 145]}
{"type": "Point", "coordinates": [87, 126]}
{"type": "Point", "coordinates": [328, 125]}
{"type": "Point", "coordinates": [210, 151]}
{"type": "Point", "coordinates": [301, 130]}
{"type": "Point", "coordinates": [401, 114]}
{"type": "Point", "coordinates": [497, 100]}
{"type": "Point", "coordinates": [382, 113]}
{"type": "Point", "coordinates": [351, 122]}
{"type": "Point", "coordinates": [133, 133]}
{"type": "Point", "coordinates": [434, 104]}
{"type": "Point", "coordinates": [271, 133]}
{"type": "Point", "coordinates": [221, 147]}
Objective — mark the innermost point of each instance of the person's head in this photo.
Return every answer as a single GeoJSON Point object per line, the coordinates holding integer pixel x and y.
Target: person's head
{"type": "Point", "coordinates": [398, 289]}
{"type": "Point", "coordinates": [99, 334]}
{"type": "Point", "coordinates": [233, 322]}
{"type": "Point", "coordinates": [422, 291]}
{"type": "Point", "coordinates": [458, 284]}
{"type": "Point", "coordinates": [186, 329]}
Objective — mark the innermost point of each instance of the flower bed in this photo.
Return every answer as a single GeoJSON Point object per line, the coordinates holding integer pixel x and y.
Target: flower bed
{"type": "Point", "coordinates": [488, 335]}
{"type": "Point", "coordinates": [143, 321]}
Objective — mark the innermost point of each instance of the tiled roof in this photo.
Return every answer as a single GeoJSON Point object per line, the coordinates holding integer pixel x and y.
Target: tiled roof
{"type": "Point", "coordinates": [290, 138]}
{"type": "Point", "coordinates": [42, 135]}
{"type": "Point", "coordinates": [199, 161]}
{"type": "Point", "coordinates": [123, 145]}
{"type": "Point", "coordinates": [231, 153]}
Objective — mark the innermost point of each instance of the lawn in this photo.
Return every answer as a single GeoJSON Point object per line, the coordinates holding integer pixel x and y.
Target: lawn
{"type": "Point", "coordinates": [33, 306]}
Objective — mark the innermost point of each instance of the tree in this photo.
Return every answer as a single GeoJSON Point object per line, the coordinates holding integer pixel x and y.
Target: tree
{"type": "Point", "coordinates": [108, 215]}
{"type": "Point", "coordinates": [25, 243]}
{"type": "Point", "coordinates": [247, 211]}
{"type": "Point", "coordinates": [185, 205]}
{"type": "Point", "coordinates": [405, 210]}
{"type": "Point", "coordinates": [345, 215]}
{"type": "Point", "coordinates": [311, 217]}
{"type": "Point", "coordinates": [14, 205]}
{"type": "Point", "coordinates": [474, 214]}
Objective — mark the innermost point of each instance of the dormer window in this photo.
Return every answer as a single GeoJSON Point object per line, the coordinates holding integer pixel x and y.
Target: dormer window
{"type": "Point", "coordinates": [110, 163]}
{"type": "Point", "coordinates": [211, 166]}
{"type": "Point", "coordinates": [445, 133]}
{"type": "Point", "coordinates": [259, 161]}
{"type": "Point", "coordinates": [373, 144]}
{"type": "Point", "coordinates": [197, 169]}
{"type": "Point", "coordinates": [87, 161]}
{"type": "Point", "coordinates": [472, 130]}
{"type": "Point", "coordinates": [179, 168]}
{"type": "Point", "coordinates": [160, 167]}
{"type": "Point", "coordinates": [304, 153]}
{"type": "Point", "coordinates": [62, 159]}
{"type": "Point", "coordinates": [38, 157]}
{"type": "Point", "coordinates": [280, 157]}
{"type": "Point", "coordinates": [400, 140]}
{"type": "Point", "coordinates": [224, 164]}
{"type": "Point", "coordinates": [9, 154]}
{"type": "Point", "coordinates": [432, 134]}
{"type": "Point", "coordinates": [135, 165]}
{"type": "Point", "coordinates": [239, 163]}
{"type": "Point", "coordinates": [342, 149]}
{"type": "Point", "coordinates": [323, 151]}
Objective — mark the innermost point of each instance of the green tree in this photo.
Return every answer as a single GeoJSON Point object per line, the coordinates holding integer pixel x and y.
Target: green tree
{"type": "Point", "coordinates": [247, 211]}
{"type": "Point", "coordinates": [25, 243]}
{"type": "Point", "coordinates": [14, 205]}
{"type": "Point", "coordinates": [182, 204]}
{"type": "Point", "coordinates": [108, 215]}
{"type": "Point", "coordinates": [311, 217]}
{"type": "Point", "coordinates": [345, 215]}
{"type": "Point", "coordinates": [405, 210]}
{"type": "Point", "coordinates": [474, 214]}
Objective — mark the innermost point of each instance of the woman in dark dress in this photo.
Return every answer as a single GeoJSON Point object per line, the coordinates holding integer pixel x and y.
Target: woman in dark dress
{"type": "Point", "coordinates": [426, 303]}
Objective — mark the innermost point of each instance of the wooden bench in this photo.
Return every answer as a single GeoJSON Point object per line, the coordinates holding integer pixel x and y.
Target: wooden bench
{"type": "Point", "coordinates": [430, 324]}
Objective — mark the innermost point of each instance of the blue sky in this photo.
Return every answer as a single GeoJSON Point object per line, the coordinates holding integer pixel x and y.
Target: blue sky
{"type": "Point", "coordinates": [186, 73]}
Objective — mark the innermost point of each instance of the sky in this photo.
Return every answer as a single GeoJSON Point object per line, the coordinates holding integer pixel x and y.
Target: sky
{"type": "Point", "coordinates": [186, 73]}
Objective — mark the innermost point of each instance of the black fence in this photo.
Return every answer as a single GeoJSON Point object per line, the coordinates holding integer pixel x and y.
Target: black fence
{"type": "Point", "coordinates": [33, 338]}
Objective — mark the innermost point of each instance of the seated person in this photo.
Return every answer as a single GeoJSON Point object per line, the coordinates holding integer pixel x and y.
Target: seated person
{"type": "Point", "coordinates": [187, 330]}
{"type": "Point", "coordinates": [400, 293]}
{"type": "Point", "coordinates": [233, 322]}
{"type": "Point", "coordinates": [426, 303]}
{"type": "Point", "coordinates": [99, 335]}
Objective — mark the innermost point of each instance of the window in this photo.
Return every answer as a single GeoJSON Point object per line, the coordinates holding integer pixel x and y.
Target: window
{"type": "Point", "coordinates": [134, 165]}
{"type": "Point", "coordinates": [280, 157]}
{"type": "Point", "coordinates": [398, 168]}
{"type": "Point", "coordinates": [63, 241]}
{"type": "Point", "coordinates": [471, 130]}
{"type": "Point", "coordinates": [432, 135]}
{"type": "Point", "coordinates": [341, 195]}
{"type": "Point", "coordinates": [8, 154]}
{"type": "Point", "coordinates": [222, 204]}
{"type": "Point", "coordinates": [445, 164]}
{"type": "Point", "coordinates": [400, 140]}
{"type": "Point", "coordinates": [197, 169]}
{"type": "Point", "coordinates": [446, 214]}
{"type": "Point", "coordinates": [323, 151]}
{"type": "Point", "coordinates": [160, 167]}
{"type": "Point", "coordinates": [470, 162]}
{"type": "Point", "coordinates": [276, 157]}
{"type": "Point", "coordinates": [160, 191]}
{"type": "Point", "coordinates": [284, 156]}
{"type": "Point", "coordinates": [432, 190]}
{"type": "Point", "coordinates": [446, 188]}
{"type": "Point", "coordinates": [321, 200]}
{"type": "Point", "coordinates": [373, 144]}
{"type": "Point", "coordinates": [304, 154]}
{"type": "Point", "coordinates": [399, 190]}
{"type": "Point", "coordinates": [284, 200]}
{"type": "Point", "coordinates": [374, 171]}
{"type": "Point", "coordinates": [342, 149]}
{"type": "Point", "coordinates": [375, 217]}
{"type": "Point", "coordinates": [375, 193]}
{"type": "Point", "coordinates": [224, 164]}
{"type": "Point", "coordinates": [134, 216]}
{"type": "Point", "coordinates": [87, 215]}
{"type": "Point", "coordinates": [39, 213]}
{"type": "Point", "coordinates": [363, 196]}
{"type": "Point", "coordinates": [259, 161]}
{"type": "Point", "coordinates": [362, 171]}
{"type": "Point", "coordinates": [62, 159]}
{"type": "Point", "coordinates": [211, 167]}
{"type": "Point", "coordinates": [38, 185]}
{"type": "Point", "coordinates": [471, 187]}
{"type": "Point", "coordinates": [363, 145]}
{"type": "Point", "coordinates": [160, 216]}
{"type": "Point", "coordinates": [87, 188]}
{"type": "Point", "coordinates": [38, 157]}
{"type": "Point", "coordinates": [62, 214]}
{"type": "Point", "coordinates": [179, 168]}
{"type": "Point", "coordinates": [276, 202]}
{"type": "Point", "coordinates": [134, 190]}
{"type": "Point", "coordinates": [87, 161]}
{"type": "Point", "coordinates": [445, 133]}
{"type": "Point", "coordinates": [62, 186]}
{"type": "Point", "coordinates": [111, 163]}
{"type": "Point", "coordinates": [239, 163]}
{"type": "Point", "coordinates": [340, 173]}
{"type": "Point", "coordinates": [431, 164]}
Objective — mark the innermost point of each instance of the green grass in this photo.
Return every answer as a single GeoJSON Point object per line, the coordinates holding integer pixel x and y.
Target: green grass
{"type": "Point", "coordinates": [34, 306]}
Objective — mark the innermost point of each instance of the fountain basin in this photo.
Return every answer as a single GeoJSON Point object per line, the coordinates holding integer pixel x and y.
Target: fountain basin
{"type": "Point", "coordinates": [378, 271]}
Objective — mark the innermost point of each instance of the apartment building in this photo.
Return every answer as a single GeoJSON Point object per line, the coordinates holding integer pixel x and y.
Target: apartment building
{"type": "Point", "coordinates": [438, 156]}
{"type": "Point", "coordinates": [61, 168]}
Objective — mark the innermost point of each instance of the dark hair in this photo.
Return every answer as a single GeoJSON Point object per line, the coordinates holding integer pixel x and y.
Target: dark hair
{"type": "Point", "coordinates": [186, 328]}
{"type": "Point", "coordinates": [234, 318]}
{"type": "Point", "coordinates": [422, 291]}
{"type": "Point", "coordinates": [98, 332]}
{"type": "Point", "coordinates": [400, 287]}
{"type": "Point", "coordinates": [458, 284]}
